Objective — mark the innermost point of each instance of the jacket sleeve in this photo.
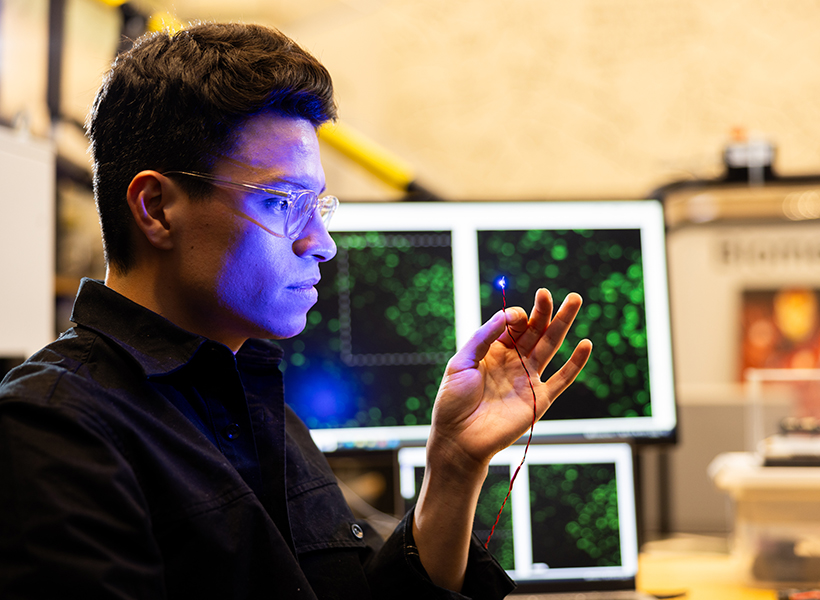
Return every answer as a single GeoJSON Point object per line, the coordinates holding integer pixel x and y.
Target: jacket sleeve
{"type": "Point", "coordinates": [392, 567]}
{"type": "Point", "coordinates": [396, 571]}
{"type": "Point", "coordinates": [71, 517]}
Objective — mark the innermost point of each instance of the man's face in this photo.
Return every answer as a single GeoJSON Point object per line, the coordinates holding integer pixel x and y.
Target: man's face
{"type": "Point", "coordinates": [239, 280]}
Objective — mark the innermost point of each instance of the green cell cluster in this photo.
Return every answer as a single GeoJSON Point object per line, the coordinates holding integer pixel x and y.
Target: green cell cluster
{"type": "Point", "coordinates": [389, 298]}
{"type": "Point", "coordinates": [492, 494]}
{"type": "Point", "coordinates": [574, 512]}
{"type": "Point", "coordinates": [493, 491]}
{"type": "Point", "coordinates": [408, 401]}
{"type": "Point", "coordinates": [605, 267]}
{"type": "Point", "coordinates": [411, 290]}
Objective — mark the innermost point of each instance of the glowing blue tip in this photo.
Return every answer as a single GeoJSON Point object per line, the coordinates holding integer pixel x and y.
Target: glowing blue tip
{"type": "Point", "coordinates": [502, 282]}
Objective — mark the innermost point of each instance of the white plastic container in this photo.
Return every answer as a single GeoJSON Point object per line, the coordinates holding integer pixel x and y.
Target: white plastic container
{"type": "Point", "coordinates": [776, 538]}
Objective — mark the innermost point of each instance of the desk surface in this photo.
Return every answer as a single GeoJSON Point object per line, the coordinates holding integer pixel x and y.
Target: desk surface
{"type": "Point", "coordinates": [703, 576]}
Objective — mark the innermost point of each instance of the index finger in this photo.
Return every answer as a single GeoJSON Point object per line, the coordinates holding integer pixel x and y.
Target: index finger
{"type": "Point", "coordinates": [538, 321]}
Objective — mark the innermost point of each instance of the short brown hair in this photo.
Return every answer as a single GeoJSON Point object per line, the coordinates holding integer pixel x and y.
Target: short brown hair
{"type": "Point", "coordinates": [176, 101]}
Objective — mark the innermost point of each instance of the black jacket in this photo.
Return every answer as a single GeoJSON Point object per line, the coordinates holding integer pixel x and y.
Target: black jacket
{"type": "Point", "coordinates": [138, 460]}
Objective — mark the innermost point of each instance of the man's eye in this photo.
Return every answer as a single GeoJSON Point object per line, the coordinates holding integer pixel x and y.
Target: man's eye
{"type": "Point", "coordinates": [277, 205]}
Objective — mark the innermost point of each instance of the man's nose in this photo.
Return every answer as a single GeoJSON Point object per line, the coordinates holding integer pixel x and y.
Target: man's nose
{"type": "Point", "coordinates": [314, 240]}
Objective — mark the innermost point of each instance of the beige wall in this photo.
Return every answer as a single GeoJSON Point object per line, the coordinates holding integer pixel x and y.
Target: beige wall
{"type": "Point", "coordinates": [549, 98]}
{"type": "Point", "coordinates": [24, 62]}
{"type": "Point", "coordinates": [516, 99]}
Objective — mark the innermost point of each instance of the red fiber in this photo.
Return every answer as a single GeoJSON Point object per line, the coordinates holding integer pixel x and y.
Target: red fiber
{"type": "Point", "coordinates": [532, 426]}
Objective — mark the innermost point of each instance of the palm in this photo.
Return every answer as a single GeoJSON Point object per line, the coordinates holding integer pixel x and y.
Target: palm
{"type": "Point", "coordinates": [485, 402]}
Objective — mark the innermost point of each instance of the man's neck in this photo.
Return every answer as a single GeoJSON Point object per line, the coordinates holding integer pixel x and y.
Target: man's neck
{"type": "Point", "coordinates": [159, 294]}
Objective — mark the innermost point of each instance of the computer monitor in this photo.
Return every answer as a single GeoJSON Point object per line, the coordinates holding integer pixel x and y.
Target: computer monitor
{"type": "Point", "coordinates": [412, 281]}
{"type": "Point", "coordinates": [569, 524]}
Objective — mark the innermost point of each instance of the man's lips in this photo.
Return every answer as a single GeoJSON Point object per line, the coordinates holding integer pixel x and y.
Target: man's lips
{"type": "Point", "coordinates": [306, 284]}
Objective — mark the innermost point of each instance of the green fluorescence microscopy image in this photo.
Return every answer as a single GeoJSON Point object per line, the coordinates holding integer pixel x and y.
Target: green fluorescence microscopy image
{"type": "Point", "coordinates": [574, 512]}
{"type": "Point", "coordinates": [377, 341]}
{"type": "Point", "coordinates": [605, 267]}
{"type": "Point", "coordinates": [493, 491]}
{"type": "Point", "coordinates": [492, 495]}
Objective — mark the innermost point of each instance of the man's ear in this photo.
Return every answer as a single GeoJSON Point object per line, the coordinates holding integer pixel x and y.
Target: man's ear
{"type": "Point", "coordinates": [149, 196]}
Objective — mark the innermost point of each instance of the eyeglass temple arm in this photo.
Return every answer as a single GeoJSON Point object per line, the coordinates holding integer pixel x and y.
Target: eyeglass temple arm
{"type": "Point", "coordinates": [229, 184]}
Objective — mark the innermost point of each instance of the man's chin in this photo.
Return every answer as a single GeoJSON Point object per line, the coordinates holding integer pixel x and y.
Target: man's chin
{"type": "Point", "coordinates": [280, 332]}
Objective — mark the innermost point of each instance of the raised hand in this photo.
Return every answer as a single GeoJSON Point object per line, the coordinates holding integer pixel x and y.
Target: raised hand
{"type": "Point", "coordinates": [483, 405]}
{"type": "Point", "coordinates": [485, 402]}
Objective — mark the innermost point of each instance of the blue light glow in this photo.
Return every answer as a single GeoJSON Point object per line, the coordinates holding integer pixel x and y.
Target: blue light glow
{"type": "Point", "coordinates": [330, 400]}
{"type": "Point", "coordinates": [326, 404]}
{"type": "Point", "coordinates": [501, 282]}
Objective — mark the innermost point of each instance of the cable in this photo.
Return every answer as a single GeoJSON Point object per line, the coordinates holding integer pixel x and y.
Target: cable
{"type": "Point", "coordinates": [503, 284]}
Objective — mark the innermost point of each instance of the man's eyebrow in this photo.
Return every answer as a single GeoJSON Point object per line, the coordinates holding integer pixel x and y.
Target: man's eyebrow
{"type": "Point", "coordinates": [271, 183]}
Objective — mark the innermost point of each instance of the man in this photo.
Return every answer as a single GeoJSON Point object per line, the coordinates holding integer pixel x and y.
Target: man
{"type": "Point", "coordinates": [148, 452]}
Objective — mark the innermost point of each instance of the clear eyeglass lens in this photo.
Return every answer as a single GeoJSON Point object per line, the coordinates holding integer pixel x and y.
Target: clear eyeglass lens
{"type": "Point", "coordinates": [304, 203]}
{"type": "Point", "coordinates": [327, 206]}
{"type": "Point", "coordinates": [290, 224]}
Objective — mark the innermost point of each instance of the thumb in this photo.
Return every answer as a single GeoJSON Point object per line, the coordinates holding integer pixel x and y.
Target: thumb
{"type": "Point", "coordinates": [479, 343]}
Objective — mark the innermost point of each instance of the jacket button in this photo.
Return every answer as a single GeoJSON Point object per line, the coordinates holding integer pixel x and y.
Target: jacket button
{"type": "Point", "coordinates": [232, 431]}
{"type": "Point", "coordinates": [357, 531]}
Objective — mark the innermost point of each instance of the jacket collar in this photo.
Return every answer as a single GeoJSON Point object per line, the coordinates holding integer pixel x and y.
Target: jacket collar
{"type": "Point", "coordinates": [159, 346]}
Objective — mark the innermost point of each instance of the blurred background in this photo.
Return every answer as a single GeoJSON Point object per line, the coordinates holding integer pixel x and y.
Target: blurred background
{"type": "Point", "coordinates": [521, 99]}
{"type": "Point", "coordinates": [709, 105]}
